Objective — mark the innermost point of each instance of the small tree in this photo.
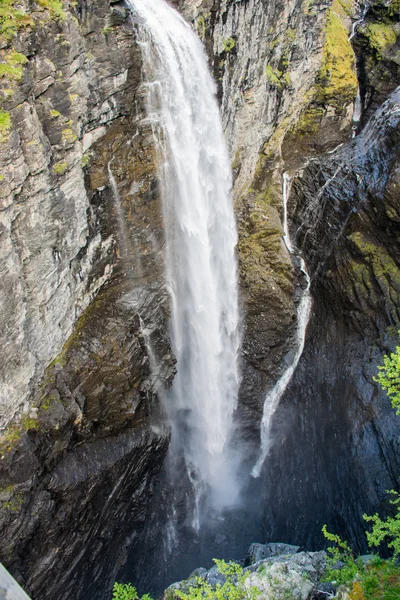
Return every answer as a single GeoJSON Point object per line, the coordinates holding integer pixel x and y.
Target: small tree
{"type": "Point", "coordinates": [386, 530]}
{"type": "Point", "coordinates": [389, 377]}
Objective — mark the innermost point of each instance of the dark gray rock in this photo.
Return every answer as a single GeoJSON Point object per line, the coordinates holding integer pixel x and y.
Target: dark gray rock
{"type": "Point", "coordinates": [323, 591]}
{"type": "Point", "coordinates": [258, 552]}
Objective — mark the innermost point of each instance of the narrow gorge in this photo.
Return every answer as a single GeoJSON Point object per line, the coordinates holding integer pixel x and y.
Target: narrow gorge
{"type": "Point", "coordinates": [200, 274]}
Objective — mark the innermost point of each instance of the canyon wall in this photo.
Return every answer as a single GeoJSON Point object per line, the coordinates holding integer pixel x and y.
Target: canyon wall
{"type": "Point", "coordinates": [287, 77]}
{"type": "Point", "coordinates": [84, 310]}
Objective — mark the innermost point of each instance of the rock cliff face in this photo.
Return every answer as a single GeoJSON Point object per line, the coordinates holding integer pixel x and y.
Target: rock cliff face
{"type": "Point", "coordinates": [84, 310]}
{"type": "Point", "coordinates": [287, 82]}
{"type": "Point", "coordinates": [351, 245]}
{"type": "Point", "coordinates": [83, 307]}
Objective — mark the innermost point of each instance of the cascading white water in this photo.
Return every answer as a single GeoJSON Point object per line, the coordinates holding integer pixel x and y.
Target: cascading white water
{"type": "Point", "coordinates": [363, 7]}
{"type": "Point", "coordinates": [201, 236]}
{"type": "Point", "coordinates": [357, 112]}
{"type": "Point", "coordinates": [303, 316]}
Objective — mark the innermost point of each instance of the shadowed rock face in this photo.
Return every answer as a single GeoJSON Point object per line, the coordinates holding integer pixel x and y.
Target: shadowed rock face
{"type": "Point", "coordinates": [337, 445]}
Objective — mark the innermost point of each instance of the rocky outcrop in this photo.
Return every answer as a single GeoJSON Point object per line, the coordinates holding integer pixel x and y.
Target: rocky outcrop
{"type": "Point", "coordinates": [336, 431]}
{"type": "Point", "coordinates": [287, 80]}
{"type": "Point", "coordinates": [284, 574]}
{"type": "Point", "coordinates": [84, 310]}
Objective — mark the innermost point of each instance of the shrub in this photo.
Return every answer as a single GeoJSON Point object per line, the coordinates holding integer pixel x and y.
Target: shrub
{"type": "Point", "coordinates": [233, 588]}
{"type": "Point", "coordinates": [388, 377]}
{"type": "Point", "coordinates": [126, 591]}
{"type": "Point", "coordinates": [387, 530]}
{"type": "Point", "coordinates": [340, 553]}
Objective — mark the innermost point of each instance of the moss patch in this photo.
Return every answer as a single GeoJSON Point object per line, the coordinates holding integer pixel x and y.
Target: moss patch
{"type": "Point", "coordinates": [9, 437]}
{"type": "Point", "coordinates": [381, 36]}
{"type": "Point", "coordinates": [54, 7]}
{"type": "Point", "coordinates": [337, 80]}
{"type": "Point", "coordinates": [60, 167]}
{"type": "Point", "coordinates": [383, 266]}
{"type": "Point", "coordinates": [5, 125]}
{"type": "Point", "coordinates": [12, 18]}
{"type": "Point", "coordinates": [68, 136]}
{"type": "Point", "coordinates": [277, 77]}
{"type": "Point", "coordinates": [11, 500]}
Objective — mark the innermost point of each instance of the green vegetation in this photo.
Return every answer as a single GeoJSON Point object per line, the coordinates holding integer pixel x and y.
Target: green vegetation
{"type": "Point", "coordinates": [376, 580]}
{"type": "Point", "coordinates": [68, 136]}
{"type": "Point", "coordinates": [337, 80]}
{"type": "Point", "coordinates": [54, 7]}
{"type": "Point", "coordinates": [201, 27]}
{"type": "Point", "coordinates": [380, 37]}
{"type": "Point", "coordinates": [384, 268]}
{"type": "Point", "coordinates": [15, 58]}
{"type": "Point", "coordinates": [60, 167]}
{"type": "Point", "coordinates": [12, 73]}
{"type": "Point", "coordinates": [198, 588]}
{"type": "Point", "coordinates": [277, 77]}
{"type": "Point", "coordinates": [387, 530]}
{"type": "Point", "coordinates": [229, 44]}
{"type": "Point", "coordinates": [55, 113]}
{"type": "Point", "coordinates": [106, 30]}
{"type": "Point", "coordinates": [126, 591]}
{"type": "Point", "coordinates": [5, 125]}
{"type": "Point", "coordinates": [12, 19]}
{"type": "Point", "coordinates": [340, 551]}
{"type": "Point", "coordinates": [12, 501]}
{"type": "Point", "coordinates": [29, 423]}
{"type": "Point", "coordinates": [232, 589]}
{"type": "Point", "coordinates": [8, 438]}
{"type": "Point", "coordinates": [389, 377]}
{"type": "Point", "coordinates": [86, 158]}
{"type": "Point", "coordinates": [12, 68]}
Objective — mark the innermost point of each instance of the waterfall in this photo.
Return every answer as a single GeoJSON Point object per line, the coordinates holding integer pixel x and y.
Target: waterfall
{"type": "Point", "coordinates": [273, 398]}
{"type": "Point", "coordinates": [201, 236]}
{"type": "Point", "coordinates": [362, 7]}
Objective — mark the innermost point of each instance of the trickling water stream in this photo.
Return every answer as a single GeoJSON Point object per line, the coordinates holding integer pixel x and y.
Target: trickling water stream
{"type": "Point", "coordinates": [303, 316]}
{"type": "Point", "coordinates": [200, 229]}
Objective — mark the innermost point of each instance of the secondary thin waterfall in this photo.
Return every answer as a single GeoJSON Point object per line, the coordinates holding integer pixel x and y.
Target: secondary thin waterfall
{"type": "Point", "coordinates": [303, 316]}
{"type": "Point", "coordinates": [201, 236]}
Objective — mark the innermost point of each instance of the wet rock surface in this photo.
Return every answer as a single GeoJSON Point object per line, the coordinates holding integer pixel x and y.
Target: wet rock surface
{"type": "Point", "coordinates": [336, 434]}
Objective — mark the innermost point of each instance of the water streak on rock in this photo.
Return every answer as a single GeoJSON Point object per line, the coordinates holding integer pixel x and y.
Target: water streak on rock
{"type": "Point", "coordinates": [303, 316]}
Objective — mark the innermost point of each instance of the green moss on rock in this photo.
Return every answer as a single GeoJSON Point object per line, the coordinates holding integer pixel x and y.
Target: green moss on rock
{"type": "Point", "coordinates": [337, 80]}
{"type": "Point", "coordinates": [13, 18]}
{"type": "Point", "coordinates": [381, 36]}
{"type": "Point", "coordinates": [5, 125]}
{"type": "Point", "coordinates": [383, 266]}
{"type": "Point", "coordinates": [60, 167]}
